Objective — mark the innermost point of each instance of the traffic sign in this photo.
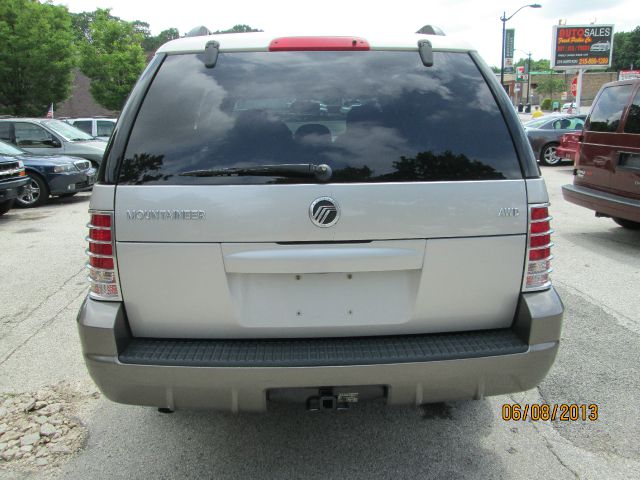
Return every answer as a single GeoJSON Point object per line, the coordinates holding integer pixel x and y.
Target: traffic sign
{"type": "Point", "coordinates": [574, 86]}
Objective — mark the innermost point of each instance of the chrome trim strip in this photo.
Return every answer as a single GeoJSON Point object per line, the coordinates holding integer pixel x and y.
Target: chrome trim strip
{"type": "Point", "coordinates": [548, 232]}
{"type": "Point", "coordinates": [94, 227]}
{"type": "Point", "coordinates": [96, 255]}
{"type": "Point", "coordinates": [99, 242]}
{"type": "Point", "coordinates": [548, 245]}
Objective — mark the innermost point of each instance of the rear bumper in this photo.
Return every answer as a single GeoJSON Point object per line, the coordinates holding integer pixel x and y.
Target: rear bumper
{"type": "Point", "coordinates": [567, 153]}
{"type": "Point", "coordinates": [421, 369]}
{"type": "Point", "coordinates": [603, 202]}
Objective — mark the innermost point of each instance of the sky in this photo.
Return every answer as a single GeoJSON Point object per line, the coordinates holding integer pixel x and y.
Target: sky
{"type": "Point", "coordinates": [477, 21]}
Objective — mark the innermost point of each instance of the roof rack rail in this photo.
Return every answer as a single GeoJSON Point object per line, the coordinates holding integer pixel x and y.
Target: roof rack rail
{"type": "Point", "coordinates": [431, 30]}
{"type": "Point", "coordinates": [200, 31]}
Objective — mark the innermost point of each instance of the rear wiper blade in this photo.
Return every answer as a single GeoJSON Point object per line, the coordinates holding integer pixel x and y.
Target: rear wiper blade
{"type": "Point", "coordinates": [322, 172]}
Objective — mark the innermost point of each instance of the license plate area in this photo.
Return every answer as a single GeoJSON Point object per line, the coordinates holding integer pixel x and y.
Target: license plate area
{"type": "Point", "coordinates": [323, 299]}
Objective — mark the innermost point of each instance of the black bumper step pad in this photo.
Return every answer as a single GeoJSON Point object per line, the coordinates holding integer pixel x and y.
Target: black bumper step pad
{"type": "Point", "coordinates": [308, 352]}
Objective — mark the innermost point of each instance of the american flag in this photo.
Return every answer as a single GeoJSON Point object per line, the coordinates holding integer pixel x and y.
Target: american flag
{"type": "Point", "coordinates": [50, 111]}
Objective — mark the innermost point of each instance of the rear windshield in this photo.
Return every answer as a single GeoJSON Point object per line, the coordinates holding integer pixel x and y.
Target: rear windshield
{"type": "Point", "coordinates": [370, 116]}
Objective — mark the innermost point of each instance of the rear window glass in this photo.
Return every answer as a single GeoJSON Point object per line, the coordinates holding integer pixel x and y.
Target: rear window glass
{"type": "Point", "coordinates": [607, 112]}
{"type": "Point", "coordinates": [633, 118]}
{"type": "Point", "coordinates": [84, 125]}
{"type": "Point", "coordinates": [369, 116]}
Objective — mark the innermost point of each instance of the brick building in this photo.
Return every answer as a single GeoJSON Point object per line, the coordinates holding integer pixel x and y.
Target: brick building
{"type": "Point", "coordinates": [591, 83]}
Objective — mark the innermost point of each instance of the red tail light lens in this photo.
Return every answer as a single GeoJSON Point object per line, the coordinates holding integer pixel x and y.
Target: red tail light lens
{"type": "Point", "coordinates": [100, 220]}
{"type": "Point", "coordinates": [102, 259]}
{"type": "Point", "coordinates": [101, 248]}
{"type": "Point", "coordinates": [100, 235]}
{"type": "Point", "coordinates": [539, 249]}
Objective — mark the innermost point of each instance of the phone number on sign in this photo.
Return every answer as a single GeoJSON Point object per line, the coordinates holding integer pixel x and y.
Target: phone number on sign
{"type": "Point", "coordinates": [565, 412]}
{"type": "Point", "coordinates": [594, 61]}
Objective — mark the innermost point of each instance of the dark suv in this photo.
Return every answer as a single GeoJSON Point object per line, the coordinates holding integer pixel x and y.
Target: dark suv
{"type": "Point", "coordinates": [13, 179]}
{"type": "Point", "coordinates": [300, 218]}
{"type": "Point", "coordinates": [607, 170]}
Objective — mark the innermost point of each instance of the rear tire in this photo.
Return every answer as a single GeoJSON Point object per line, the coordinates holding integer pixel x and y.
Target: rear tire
{"type": "Point", "coordinates": [548, 155]}
{"type": "Point", "coordinates": [629, 224]}
{"type": "Point", "coordinates": [5, 206]}
{"type": "Point", "coordinates": [34, 193]}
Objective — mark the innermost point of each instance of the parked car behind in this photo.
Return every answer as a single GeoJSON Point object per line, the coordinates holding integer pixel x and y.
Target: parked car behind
{"type": "Point", "coordinates": [13, 178]}
{"type": "Point", "coordinates": [58, 175]}
{"type": "Point", "coordinates": [607, 173]}
{"type": "Point", "coordinates": [97, 127]}
{"type": "Point", "coordinates": [544, 135]}
{"type": "Point", "coordinates": [46, 136]}
{"type": "Point", "coordinates": [569, 146]}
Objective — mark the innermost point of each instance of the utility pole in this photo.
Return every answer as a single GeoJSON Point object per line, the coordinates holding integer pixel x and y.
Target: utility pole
{"type": "Point", "coordinates": [529, 79]}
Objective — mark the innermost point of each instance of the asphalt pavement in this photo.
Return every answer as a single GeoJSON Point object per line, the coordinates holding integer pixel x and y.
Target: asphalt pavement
{"type": "Point", "coordinates": [597, 273]}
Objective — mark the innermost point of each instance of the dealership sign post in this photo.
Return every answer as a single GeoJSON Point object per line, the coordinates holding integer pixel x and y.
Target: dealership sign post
{"type": "Point", "coordinates": [509, 50]}
{"type": "Point", "coordinates": [581, 47]}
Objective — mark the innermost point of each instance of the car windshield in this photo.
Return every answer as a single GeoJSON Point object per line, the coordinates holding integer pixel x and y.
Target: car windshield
{"type": "Point", "coordinates": [69, 132]}
{"type": "Point", "coordinates": [6, 149]}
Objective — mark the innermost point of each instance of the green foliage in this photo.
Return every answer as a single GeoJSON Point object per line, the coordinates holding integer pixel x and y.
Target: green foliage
{"type": "Point", "coordinates": [541, 65]}
{"type": "Point", "coordinates": [239, 29]}
{"type": "Point", "coordinates": [36, 56]}
{"type": "Point", "coordinates": [626, 50]}
{"type": "Point", "coordinates": [546, 104]}
{"type": "Point", "coordinates": [151, 43]}
{"type": "Point", "coordinates": [112, 57]}
{"type": "Point", "coordinates": [551, 85]}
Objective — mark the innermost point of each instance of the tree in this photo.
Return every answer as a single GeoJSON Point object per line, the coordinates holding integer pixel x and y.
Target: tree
{"type": "Point", "coordinates": [37, 56]}
{"type": "Point", "coordinates": [239, 29]}
{"type": "Point", "coordinates": [112, 57]}
{"type": "Point", "coordinates": [151, 43]}
{"type": "Point", "coordinates": [550, 85]}
{"type": "Point", "coordinates": [541, 65]}
{"type": "Point", "coordinates": [626, 50]}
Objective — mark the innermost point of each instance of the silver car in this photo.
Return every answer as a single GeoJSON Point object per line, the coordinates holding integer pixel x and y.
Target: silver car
{"type": "Point", "coordinates": [46, 136]}
{"type": "Point", "coordinates": [400, 249]}
{"type": "Point", "coordinates": [544, 135]}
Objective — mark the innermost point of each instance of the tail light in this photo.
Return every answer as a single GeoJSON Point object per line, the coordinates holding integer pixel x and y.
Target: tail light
{"type": "Point", "coordinates": [539, 249]}
{"type": "Point", "coordinates": [103, 273]}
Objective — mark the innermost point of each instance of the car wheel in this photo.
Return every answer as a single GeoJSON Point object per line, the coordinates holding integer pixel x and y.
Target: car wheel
{"type": "Point", "coordinates": [34, 193]}
{"type": "Point", "coordinates": [548, 155]}
{"type": "Point", "coordinates": [623, 222]}
{"type": "Point", "coordinates": [5, 206]}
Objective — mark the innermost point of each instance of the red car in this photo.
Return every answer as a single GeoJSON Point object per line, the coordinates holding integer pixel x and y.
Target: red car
{"type": "Point", "coordinates": [569, 147]}
{"type": "Point", "coordinates": [607, 169]}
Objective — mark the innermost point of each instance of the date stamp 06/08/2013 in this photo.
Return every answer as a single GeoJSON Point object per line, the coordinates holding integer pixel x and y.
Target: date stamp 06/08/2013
{"type": "Point", "coordinates": [564, 412]}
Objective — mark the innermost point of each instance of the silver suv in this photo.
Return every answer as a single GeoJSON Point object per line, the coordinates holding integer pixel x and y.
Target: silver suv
{"type": "Point", "coordinates": [46, 136]}
{"type": "Point", "coordinates": [248, 246]}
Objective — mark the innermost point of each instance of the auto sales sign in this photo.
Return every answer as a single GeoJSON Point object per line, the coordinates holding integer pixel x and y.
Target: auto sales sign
{"type": "Point", "coordinates": [582, 46]}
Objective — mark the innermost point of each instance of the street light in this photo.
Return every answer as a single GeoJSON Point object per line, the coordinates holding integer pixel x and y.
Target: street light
{"type": "Point", "coordinates": [504, 20]}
